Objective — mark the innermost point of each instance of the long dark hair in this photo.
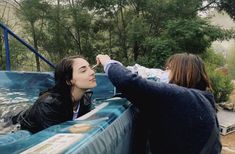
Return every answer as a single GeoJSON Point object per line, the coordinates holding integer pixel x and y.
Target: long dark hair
{"type": "Point", "coordinates": [64, 74]}
{"type": "Point", "coordinates": [188, 70]}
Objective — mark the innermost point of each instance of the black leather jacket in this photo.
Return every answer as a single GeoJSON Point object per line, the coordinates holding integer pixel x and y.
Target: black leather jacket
{"type": "Point", "coordinates": [51, 108]}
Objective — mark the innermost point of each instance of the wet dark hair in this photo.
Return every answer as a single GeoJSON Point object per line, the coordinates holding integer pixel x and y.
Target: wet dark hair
{"type": "Point", "coordinates": [64, 74]}
{"type": "Point", "coordinates": [188, 70]}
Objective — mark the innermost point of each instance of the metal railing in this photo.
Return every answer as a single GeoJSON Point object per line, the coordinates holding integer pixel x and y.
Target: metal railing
{"type": "Point", "coordinates": [7, 31]}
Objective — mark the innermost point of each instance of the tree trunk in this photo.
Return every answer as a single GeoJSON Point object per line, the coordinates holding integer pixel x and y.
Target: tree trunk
{"type": "Point", "coordinates": [136, 50]}
{"type": "Point", "coordinates": [35, 44]}
{"type": "Point", "coordinates": [124, 38]}
{"type": "Point", "coordinates": [110, 39]}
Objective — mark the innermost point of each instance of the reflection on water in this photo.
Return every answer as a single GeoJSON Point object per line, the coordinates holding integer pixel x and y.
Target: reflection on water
{"type": "Point", "coordinates": [12, 102]}
{"type": "Point", "coordinates": [9, 96]}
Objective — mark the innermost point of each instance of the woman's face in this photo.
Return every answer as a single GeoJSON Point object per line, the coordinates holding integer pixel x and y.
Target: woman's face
{"type": "Point", "coordinates": [83, 75]}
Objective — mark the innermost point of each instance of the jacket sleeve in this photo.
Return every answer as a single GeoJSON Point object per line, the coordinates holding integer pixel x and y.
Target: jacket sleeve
{"type": "Point", "coordinates": [45, 112]}
{"type": "Point", "coordinates": [140, 91]}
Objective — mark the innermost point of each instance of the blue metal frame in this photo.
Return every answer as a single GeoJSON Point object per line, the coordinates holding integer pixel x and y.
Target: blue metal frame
{"type": "Point", "coordinates": [6, 41]}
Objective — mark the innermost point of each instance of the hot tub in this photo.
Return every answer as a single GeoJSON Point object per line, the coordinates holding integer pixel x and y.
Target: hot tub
{"type": "Point", "coordinates": [106, 129]}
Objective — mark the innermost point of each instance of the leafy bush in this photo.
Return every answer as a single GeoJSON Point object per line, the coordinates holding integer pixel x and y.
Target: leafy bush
{"type": "Point", "coordinates": [222, 86]}
{"type": "Point", "coordinates": [231, 63]}
{"type": "Point", "coordinates": [221, 82]}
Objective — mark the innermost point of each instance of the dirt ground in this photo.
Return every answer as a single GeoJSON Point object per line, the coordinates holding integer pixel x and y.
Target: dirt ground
{"type": "Point", "coordinates": [228, 142]}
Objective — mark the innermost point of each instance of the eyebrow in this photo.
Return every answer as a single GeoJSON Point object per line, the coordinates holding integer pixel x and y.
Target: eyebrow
{"type": "Point", "coordinates": [82, 67]}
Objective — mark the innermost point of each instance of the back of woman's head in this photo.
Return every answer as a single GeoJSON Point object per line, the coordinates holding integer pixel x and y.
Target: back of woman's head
{"type": "Point", "coordinates": [188, 70]}
{"type": "Point", "coordinates": [64, 73]}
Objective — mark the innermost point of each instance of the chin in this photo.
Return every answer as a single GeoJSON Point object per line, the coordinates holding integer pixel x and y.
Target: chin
{"type": "Point", "coordinates": [93, 85]}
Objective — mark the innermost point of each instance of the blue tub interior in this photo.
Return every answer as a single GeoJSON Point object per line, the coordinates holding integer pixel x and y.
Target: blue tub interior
{"type": "Point", "coordinates": [96, 132]}
{"type": "Point", "coordinates": [31, 83]}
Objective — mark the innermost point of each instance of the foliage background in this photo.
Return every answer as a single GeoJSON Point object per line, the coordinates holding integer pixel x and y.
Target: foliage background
{"type": "Point", "coordinates": [131, 31]}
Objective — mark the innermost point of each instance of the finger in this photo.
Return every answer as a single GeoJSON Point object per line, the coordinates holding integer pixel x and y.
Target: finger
{"type": "Point", "coordinates": [98, 59]}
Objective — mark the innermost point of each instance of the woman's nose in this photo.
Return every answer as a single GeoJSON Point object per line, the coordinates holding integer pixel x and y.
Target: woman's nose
{"type": "Point", "coordinates": [92, 71]}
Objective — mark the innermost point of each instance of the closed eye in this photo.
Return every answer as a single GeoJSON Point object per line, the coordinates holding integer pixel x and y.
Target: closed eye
{"type": "Point", "coordinates": [83, 69]}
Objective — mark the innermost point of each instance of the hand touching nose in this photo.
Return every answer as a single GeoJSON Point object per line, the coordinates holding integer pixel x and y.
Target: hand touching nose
{"type": "Point", "coordinates": [102, 59]}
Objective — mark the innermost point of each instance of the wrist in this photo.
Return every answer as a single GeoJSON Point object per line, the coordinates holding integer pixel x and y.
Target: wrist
{"type": "Point", "coordinates": [108, 64]}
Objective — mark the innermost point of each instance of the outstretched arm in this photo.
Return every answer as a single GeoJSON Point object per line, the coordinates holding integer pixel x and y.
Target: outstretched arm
{"type": "Point", "coordinates": [139, 91]}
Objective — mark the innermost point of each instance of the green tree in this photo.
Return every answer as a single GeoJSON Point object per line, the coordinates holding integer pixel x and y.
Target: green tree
{"type": "Point", "coordinates": [137, 31]}
{"type": "Point", "coordinates": [231, 63]}
{"type": "Point", "coordinates": [20, 56]}
{"type": "Point", "coordinates": [222, 86]}
{"type": "Point", "coordinates": [221, 83]}
{"type": "Point", "coordinates": [57, 32]}
{"type": "Point", "coordinates": [213, 60]}
{"type": "Point", "coordinates": [33, 13]}
{"type": "Point", "coordinates": [228, 6]}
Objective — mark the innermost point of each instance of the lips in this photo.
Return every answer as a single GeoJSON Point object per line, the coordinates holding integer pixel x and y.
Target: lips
{"type": "Point", "coordinates": [93, 79]}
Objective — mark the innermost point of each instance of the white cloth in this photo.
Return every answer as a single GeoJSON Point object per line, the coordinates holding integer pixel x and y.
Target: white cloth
{"type": "Point", "coordinates": [155, 74]}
